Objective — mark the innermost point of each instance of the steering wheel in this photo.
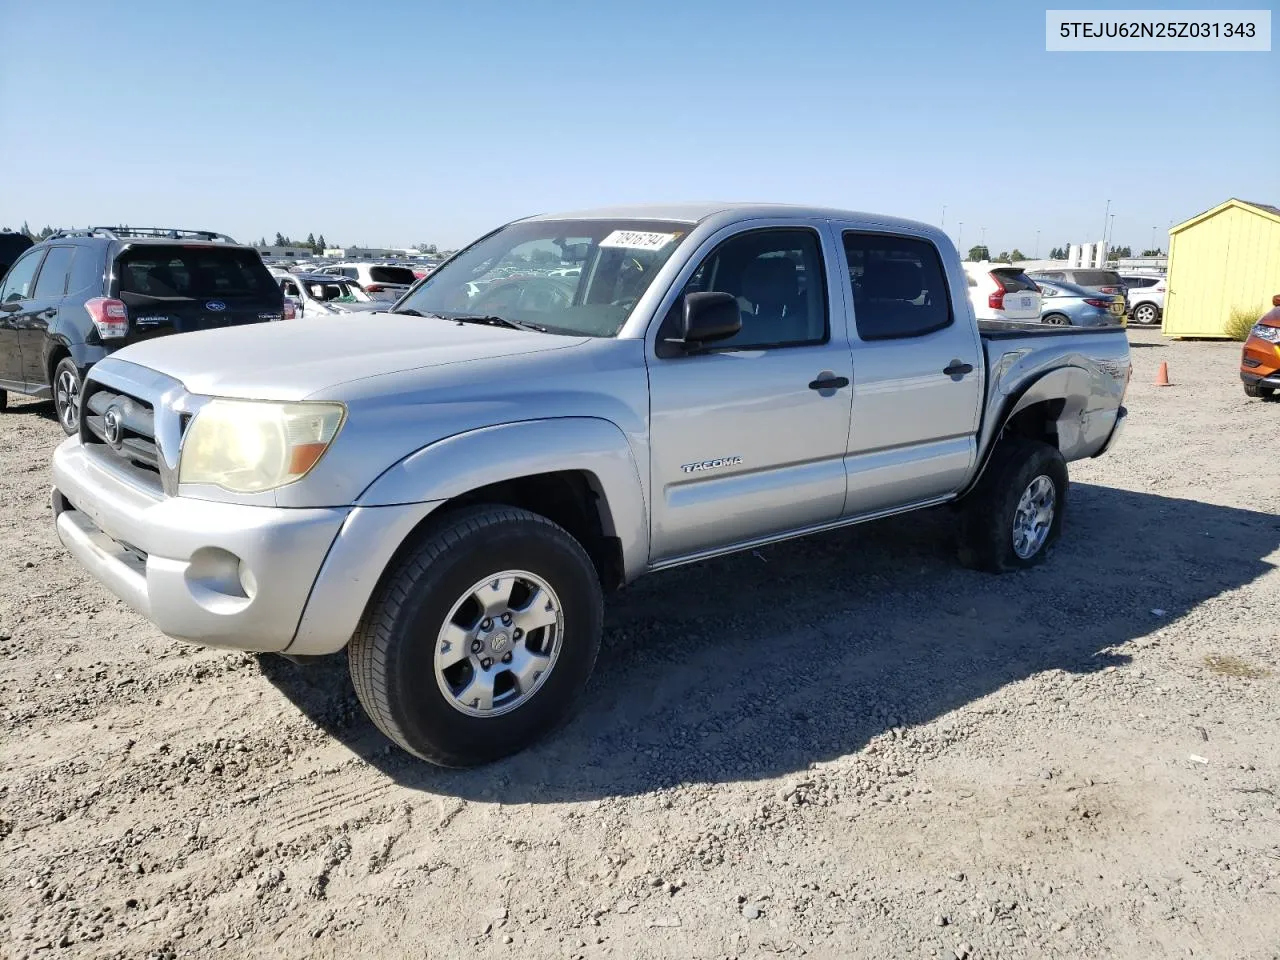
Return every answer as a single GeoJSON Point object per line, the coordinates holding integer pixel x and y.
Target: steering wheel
{"type": "Point", "coordinates": [525, 287]}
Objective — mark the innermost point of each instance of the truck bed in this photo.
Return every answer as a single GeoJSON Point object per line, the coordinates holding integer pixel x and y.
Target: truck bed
{"type": "Point", "coordinates": [1011, 330]}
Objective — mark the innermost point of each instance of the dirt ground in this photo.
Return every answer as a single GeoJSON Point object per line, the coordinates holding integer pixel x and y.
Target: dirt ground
{"type": "Point", "coordinates": [842, 747]}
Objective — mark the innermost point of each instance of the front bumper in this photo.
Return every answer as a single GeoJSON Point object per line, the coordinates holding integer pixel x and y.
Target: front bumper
{"type": "Point", "coordinates": [215, 573]}
{"type": "Point", "coordinates": [1273, 380]}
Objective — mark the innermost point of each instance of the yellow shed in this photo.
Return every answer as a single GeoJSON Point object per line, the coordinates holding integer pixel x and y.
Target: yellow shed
{"type": "Point", "coordinates": [1223, 259]}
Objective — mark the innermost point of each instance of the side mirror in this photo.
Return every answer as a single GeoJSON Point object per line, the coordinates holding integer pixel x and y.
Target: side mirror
{"type": "Point", "coordinates": [10, 306]}
{"type": "Point", "coordinates": [706, 318]}
{"type": "Point", "coordinates": [1275, 301]}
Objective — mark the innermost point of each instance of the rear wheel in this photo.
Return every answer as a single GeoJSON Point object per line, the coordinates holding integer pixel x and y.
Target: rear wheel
{"type": "Point", "coordinates": [481, 639]}
{"type": "Point", "coordinates": [1146, 314]}
{"type": "Point", "coordinates": [1258, 392]}
{"type": "Point", "coordinates": [66, 395]}
{"type": "Point", "coordinates": [1057, 319]}
{"type": "Point", "coordinates": [1014, 514]}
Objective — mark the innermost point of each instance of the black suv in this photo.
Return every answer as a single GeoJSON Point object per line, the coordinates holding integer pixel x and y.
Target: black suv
{"type": "Point", "coordinates": [79, 295]}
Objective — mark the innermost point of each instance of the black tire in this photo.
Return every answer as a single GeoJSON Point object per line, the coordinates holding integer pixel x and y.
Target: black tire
{"type": "Point", "coordinates": [4, 400]}
{"type": "Point", "coordinates": [1148, 310]}
{"type": "Point", "coordinates": [987, 514]}
{"type": "Point", "coordinates": [1057, 319]}
{"type": "Point", "coordinates": [68, 416]}
{"type": "Point", "coordinates": [1257, 392]}
{"type": "Point", "coordinates": [391, 655]}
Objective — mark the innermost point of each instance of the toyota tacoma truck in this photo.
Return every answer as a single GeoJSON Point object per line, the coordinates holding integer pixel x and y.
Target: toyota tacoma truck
{"type": "Point", "coordinates": [448, 490]}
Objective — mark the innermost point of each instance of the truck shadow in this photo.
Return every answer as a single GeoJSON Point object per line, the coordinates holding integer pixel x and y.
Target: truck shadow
{"type": "Point", "coordinates": [757, 665]}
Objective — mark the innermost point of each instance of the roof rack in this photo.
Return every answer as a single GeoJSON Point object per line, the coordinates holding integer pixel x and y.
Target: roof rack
{"type": "Point", "coordinates": [159, 233]}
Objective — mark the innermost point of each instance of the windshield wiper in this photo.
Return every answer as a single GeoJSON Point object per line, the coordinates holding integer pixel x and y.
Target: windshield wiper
{"type": "Point", "coordinates": [408, 313]}
{"type": "Point", "coordinates": [497, 322]}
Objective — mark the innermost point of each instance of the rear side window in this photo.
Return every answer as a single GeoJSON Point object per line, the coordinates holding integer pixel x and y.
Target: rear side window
{"type": "Point", "coordinates": [1052, 276]}
{"type": "Point", "coordinates": [1013, 281]}
{"type": "Point", "coordinates": [1137, 282]}
{"type": "Point", "coordinates": [191, 272]}
{"type": "Point", "coordinates": [1096, 278]}
{"type": "Point", "coordinates": [401, 275]}
{"type": "Point", "coordinates": [52, 282]}
{"type": "Point", "coordinates": [899, 286]}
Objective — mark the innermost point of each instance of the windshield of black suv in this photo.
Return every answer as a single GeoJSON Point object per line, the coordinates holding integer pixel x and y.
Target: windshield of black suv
{"type": "Point", "coordinates": [580, 277]}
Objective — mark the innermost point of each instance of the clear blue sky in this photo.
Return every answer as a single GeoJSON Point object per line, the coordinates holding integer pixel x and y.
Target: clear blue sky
{"type": "Point", "coordinates": [406, 121]}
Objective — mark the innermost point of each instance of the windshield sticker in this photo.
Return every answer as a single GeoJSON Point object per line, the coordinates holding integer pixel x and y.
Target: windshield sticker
{"type": "Point", "coordinates": [637, 240]}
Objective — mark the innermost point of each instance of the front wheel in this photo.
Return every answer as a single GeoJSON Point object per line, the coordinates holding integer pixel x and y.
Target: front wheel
{"type": "Point", "coordinates": [481, 638]}
{"type": "Point", "coordinates": [1014, 514]}
{"type": "Point", "coordinates": [1257, 392]}
{"type": "Point", "coordinates": [66, 395]}
{"type": "Point", "coordinates": [1146, 314]}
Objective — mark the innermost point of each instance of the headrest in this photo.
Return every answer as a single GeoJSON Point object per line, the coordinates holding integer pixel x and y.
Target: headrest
{"type": "Point", "coordinates": [893, 280]}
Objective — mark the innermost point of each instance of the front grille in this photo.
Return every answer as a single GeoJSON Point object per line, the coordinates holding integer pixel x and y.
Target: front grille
{"type": "Point", "coordinates": [117, 425]}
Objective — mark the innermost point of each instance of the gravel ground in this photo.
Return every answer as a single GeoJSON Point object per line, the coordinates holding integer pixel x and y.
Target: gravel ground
{"type": "Point", "coordinates": [842, 747]}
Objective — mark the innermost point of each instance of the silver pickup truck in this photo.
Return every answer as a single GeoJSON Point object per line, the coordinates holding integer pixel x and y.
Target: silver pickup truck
{"type": "Point", "coordinates": [447, 490]}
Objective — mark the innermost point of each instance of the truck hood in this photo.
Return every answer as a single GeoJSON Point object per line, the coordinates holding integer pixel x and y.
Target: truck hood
{"type": "Point", "coordinates": [294, 359]}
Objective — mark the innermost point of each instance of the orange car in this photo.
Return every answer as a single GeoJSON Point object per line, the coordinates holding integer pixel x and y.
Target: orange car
{"type": "Point", "coordinates": [1260, 361]}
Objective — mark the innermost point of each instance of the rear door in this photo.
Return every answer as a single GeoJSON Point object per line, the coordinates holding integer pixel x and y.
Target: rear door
{"type": "Point", "coordinates": [917, 374]}
{"type": "Point", "coordinates": [181, 288]}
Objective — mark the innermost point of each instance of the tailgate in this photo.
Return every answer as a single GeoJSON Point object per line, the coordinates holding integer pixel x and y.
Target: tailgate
{"type": "Point", "coordinates": [1021, 295]}
{"type": "Point", "coordinates": [181, 288]}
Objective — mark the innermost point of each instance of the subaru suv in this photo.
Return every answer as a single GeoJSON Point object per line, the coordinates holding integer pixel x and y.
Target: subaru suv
{"type": "Point", "coordinates": [72, 299]}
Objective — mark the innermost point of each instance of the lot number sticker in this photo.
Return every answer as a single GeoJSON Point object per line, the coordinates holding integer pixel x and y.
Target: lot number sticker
{"type": "Point", "coordinates": [637, 240]}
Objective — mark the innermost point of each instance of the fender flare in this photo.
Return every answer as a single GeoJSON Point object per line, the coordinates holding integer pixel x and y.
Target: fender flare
{"type": "Point", "coordinates": [463, 462]}
{"type": "Point", "coordinates": [1071, 386]}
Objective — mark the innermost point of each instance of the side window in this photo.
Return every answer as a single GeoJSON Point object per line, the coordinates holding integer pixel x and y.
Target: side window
{"type": "Point", "coordinates": [899, 286]}
{"type": "Point", "coordinates": [290, 289]}
{"type": "Point", "coordinates": [18, 281]}
{"type": "Point", "coordinates": [350, 272]}
{"type": "Point", "coordinates": [778, 279]}
{"type": "Point", "coordinates": [52, 282]}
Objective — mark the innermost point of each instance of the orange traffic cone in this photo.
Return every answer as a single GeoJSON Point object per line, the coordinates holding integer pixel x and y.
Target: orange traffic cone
{"type": "Point", "coordinates": [1162, 375]}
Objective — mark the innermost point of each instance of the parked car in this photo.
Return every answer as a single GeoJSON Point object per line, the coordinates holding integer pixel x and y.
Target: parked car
{"type": "Point", "coordinates": [79, 295]}
{"type": "Point", "coordinates": [12, 246]}
{"type": "Point", "coordinates": [380, 281]}
{"type": "Point", "coordinates": [318, 294]}
{"type": "Point", "coordinates": [449, 495]}
{"type": "Point", "coordinates": [1145, 297]}
{"type": "Point", "coordinates": [1067, 304]}
{"type": "Point", "coordinates": [1260, 359]}
{"type": "Point", "coordinates": [1002, 293]}
{"type": "Point", "coordinates": [1099, 281]}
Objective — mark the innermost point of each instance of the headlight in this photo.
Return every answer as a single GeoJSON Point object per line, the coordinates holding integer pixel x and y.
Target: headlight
{"type": "Point", "coordinates": [1264, 332]}
{"type": "Point", "coordinates": [252, 445]}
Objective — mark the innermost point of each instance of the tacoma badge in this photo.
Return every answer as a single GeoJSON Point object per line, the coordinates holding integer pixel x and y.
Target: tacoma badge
{"type": "Point", "coordinates": [710, 464]}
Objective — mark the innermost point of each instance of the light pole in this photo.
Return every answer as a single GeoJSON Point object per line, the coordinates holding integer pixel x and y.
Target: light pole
{"type": "Point", "coordinates": [1036, 255]}
{"type": "Point", "coordinates": [1106, 218]}
{"type": "Point", "coordinates": [943, 225]}
{"type": "Point", "coordinates": [959, 234]}
{"type": "Point", "coordinates": [1153, 239]}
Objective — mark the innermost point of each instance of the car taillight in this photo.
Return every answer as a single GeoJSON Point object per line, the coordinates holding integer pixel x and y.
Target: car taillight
{"type": "Point", "coordinates": [1160, 287]}
{"type": "Point", "coordinates": [1094, 302]}
{"type": "Point", "coordinates": [111, 317]}
{"type": "Point", "coordinates": [288, 311]}
{"type": "Point", "coordinates": [996, 300]}
{"type": "Point", "coordinates": [1108, 289]}
{"type": "Point", "coordinates": [374, 288]}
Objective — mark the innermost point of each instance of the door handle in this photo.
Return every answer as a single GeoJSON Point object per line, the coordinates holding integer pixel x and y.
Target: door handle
{"type": "Point", "coordinates": [825, 382]}
{"type": "Point", "coordinates": [958, 369]}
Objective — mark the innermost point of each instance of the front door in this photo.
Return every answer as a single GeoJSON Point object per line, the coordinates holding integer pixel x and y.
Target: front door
{"type": "Point", "coordinates": [917, 373]}
{"type": "Point", "coordinates": [15, 301]}
{"type": "Point", "coordinates": [748, 437]}
{"type": "Point", "coordinates": [46, 300]}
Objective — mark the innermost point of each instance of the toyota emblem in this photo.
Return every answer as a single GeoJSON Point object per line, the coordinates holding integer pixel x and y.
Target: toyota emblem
{"type": "Point", "coordinates": [112, 426]}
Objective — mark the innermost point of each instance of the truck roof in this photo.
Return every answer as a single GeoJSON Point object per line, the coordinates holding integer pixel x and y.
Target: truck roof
{"type": "Point", "coordinates": [728, 211]}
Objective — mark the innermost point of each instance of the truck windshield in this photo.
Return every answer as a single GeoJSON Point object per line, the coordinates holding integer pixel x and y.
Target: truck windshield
{"type": "Point", "coordinates": [580, 277]}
